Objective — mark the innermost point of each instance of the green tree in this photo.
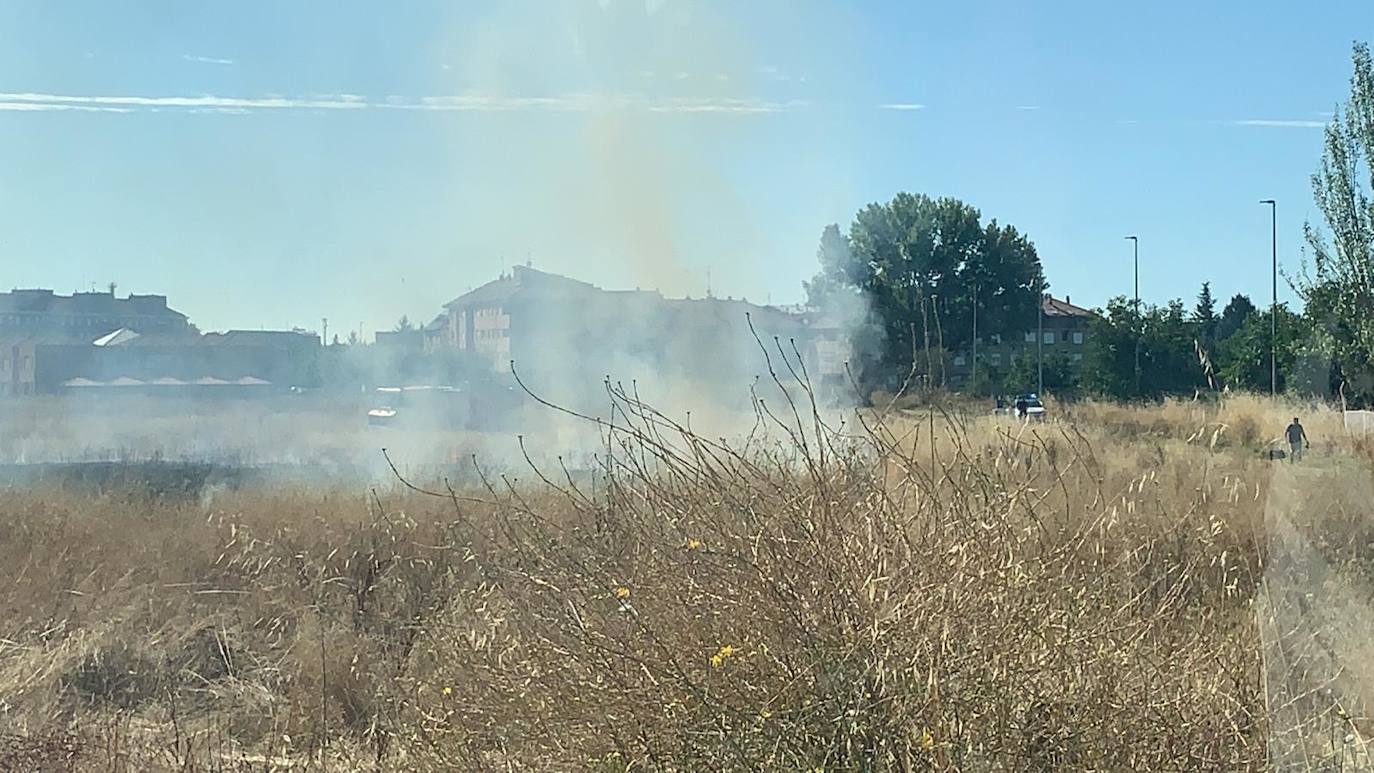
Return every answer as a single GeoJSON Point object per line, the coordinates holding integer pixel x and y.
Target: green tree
{"type": "Point", "coordinates": [1244, 357]}
{"type": "Point", "coordinates": [834, 256]}
{"type": "Point", "coordinates": [921, 264]}
{"type": "Point", "coordinates": [1233, 316]}
{"type": "Point", "coordinates": [1338, 287]}
{"type": "Point", "coordinates": [1059, 374]}
{"type": "Point", "coordinates": [1169, 358]}
{"type": "Point", "coordinates": [1169, 362]}
{"type": "Point", "coordinates": [1205, 316]}
{"type": "Point", "coordinates": [1109, 356]}
{"type": "Point", "coordinates": [404, 325]}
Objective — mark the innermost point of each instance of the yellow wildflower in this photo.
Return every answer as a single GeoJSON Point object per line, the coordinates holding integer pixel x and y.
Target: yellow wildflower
{"type": "Point", "coordinates": [622, 593]}
{"type": "Point", "coordinates": [448, 690]}
{"type": "Point", "coordinates": [724, 654]}
{"type": "Point", "coordinates": [927, 740]}
{"type": "Point", "coordinates": [694, 544]}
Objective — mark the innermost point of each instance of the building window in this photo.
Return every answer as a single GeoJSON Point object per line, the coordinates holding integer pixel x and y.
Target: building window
{"type": "Point", "coordinates": [1078, 337]}
{"type": "Point", "coordinates": [1030, 337]}
{"type": "Point", "coordinates": [1077, 357]}
{"type": "Point", "coordinates": [996, 358]}
{"type": "Point", "coordinates": [997, 338]}
{"type": "Point", "coordinates": [958, 360]}
{"type": "Point", "coordinates": [1049, 336]}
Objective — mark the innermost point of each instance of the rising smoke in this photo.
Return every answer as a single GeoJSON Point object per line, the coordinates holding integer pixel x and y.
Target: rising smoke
{"type": "Point", "coordinates": [627, 184]}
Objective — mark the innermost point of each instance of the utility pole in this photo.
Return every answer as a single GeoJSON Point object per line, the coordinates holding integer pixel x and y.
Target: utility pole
{"type": "Point", "coordinates": [324, 336]}
{"type": "Point", "coordinates": [939, 337]}
{"type": "Point", "coordinates": [1135, 243]}
{"type": "Point", "coordinates": [925, 333]}
{"type": "Point", "coordinates": [1040, 337]}
{"type": "Point", "coordinates": [1274, 303]}
{"type": "Point", "coordinates": [973, 379]}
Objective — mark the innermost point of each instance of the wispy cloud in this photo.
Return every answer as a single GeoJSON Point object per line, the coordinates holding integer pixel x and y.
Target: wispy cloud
{"type": "Point", "coordinates": [34, 107]}
{"type": "Point", "coordinates": [724, 106]}
{"type": "Point", "coordinates": [205, 102]}
{"type": "Point", "coordinates": [1281, 123]}
{"type": "Point", "coordinates": [206, 59]}
{"type": "Point", "coordinates": [1027, 107]}
{"type": "Point", "coordinates": [901, 106]}
{"type": "Point", "coordinates": [38, 102]}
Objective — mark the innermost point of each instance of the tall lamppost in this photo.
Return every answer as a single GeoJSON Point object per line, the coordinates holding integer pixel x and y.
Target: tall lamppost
{"type": "Point", "coordinates": [1135, 244]}
{"type": "Point", "coordinates": [1040, 337]}
{"type": "Point", "coordinates": [1274, 302]}
{"type": "Point", "coordinates": [973, 379]}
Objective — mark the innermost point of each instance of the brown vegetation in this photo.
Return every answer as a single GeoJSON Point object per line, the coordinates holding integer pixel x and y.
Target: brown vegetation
{"type": "Point", "coordinates": [906, 592]}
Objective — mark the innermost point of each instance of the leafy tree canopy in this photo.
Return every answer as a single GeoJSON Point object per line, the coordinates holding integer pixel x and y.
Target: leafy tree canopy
{"type": "Point", "coordinates": [1234, 315]}
{"type": "Point", "coordinates": [1338, 286]}
{"type": "Point", "coordinates": [922, 264]}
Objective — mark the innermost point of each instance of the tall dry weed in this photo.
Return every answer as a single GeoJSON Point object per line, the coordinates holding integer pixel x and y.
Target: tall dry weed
{"type": "Point", "coordinates": [906, 591]}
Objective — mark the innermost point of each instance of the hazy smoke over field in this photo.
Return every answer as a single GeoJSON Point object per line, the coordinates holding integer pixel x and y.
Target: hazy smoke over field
{"type": "Point", "coordinates": [615, 169]}
{"type": "Point", "coordinates": [637, 179]}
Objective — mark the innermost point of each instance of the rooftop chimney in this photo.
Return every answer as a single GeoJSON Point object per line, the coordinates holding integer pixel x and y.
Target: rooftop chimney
{"type": "Point", "coordinates": [1067, 300]}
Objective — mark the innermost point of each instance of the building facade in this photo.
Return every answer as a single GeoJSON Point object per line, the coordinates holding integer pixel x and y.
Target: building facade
{"type": "Point", "coordinates": [86, 315]}
{"type": "Point", "coordinates": [1064, 332]}
{"type": "Point", "coordinates": [127, 361]}
{"type": "Point", "coordinates": [37, 324]}
{"type": "Point", "coordinates": [559, 330]}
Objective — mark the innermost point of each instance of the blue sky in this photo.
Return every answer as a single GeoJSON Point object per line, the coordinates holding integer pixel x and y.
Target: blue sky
{"type": "Point", "coordinates": [268, 163]}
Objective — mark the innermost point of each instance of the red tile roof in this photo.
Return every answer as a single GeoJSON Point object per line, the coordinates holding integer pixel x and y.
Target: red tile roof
{"type": "Point", "coordinates": [1056, 308]}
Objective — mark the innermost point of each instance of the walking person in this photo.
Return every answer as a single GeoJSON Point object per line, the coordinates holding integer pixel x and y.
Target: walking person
{"type": "Point", "coordinates": [1297, 440]}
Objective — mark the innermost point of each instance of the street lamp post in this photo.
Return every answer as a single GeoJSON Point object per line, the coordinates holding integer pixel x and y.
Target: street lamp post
{"type": "Point", "coordinates": [1040, 338]}
{"type": "Point", "coordinates": [973, 379]}
{"type": "Point", "coordinates": [1135, 245]}
{"type": "Point", "coordinates": [1274, 303]}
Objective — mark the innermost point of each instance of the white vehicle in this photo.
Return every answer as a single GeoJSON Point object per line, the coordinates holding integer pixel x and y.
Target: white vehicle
{"type": "Point", "coordinates": [1035, 408]}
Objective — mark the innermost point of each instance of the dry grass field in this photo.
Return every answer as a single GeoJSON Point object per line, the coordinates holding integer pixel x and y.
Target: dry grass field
{"type": "Point", "coordinates": [913, 590]}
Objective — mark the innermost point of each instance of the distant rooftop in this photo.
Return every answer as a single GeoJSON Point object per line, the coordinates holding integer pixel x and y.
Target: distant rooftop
{"type": "Point", "coordinates": [524, 281]}
{"type": "Point", "coordinates": [1056, 308]}
{"type": "Point", "coordinates": [44, 301]}
{"type": "Point", "coordinates": [261, 337]}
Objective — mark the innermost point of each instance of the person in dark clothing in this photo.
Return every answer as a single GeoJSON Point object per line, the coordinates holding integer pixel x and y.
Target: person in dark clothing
{"type": "Point", "coordinates": [1021, 407]}
{"type": "Point", "coordinates": [1297, 440]}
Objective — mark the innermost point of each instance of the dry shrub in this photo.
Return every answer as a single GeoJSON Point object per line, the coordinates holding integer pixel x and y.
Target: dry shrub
{"type": "Point", "coordinates": [902, 592]}
{"type": "Point", "coordinates": [116, 675]}
{"type": "Point", "coordinates": [850, 604]}
{"type": "Point", "coordinates": [51, 752]}
{"type": "Point", "coordinates": [1241, 421]}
